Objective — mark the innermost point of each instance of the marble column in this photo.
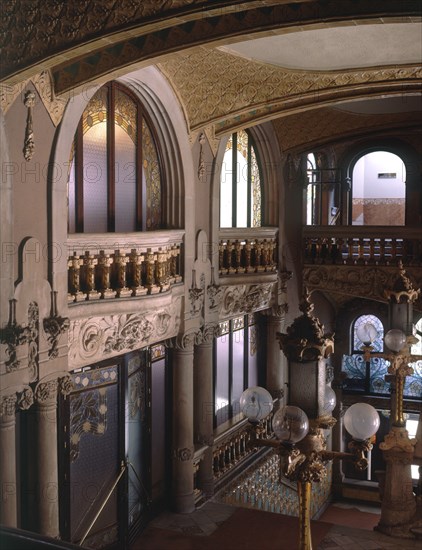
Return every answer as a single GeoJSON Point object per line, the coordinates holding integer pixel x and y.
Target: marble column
{"type": "Point", "coordinates": [8, 508]}
{"type": "Point", "coordinates": [182, 417]}
{"type": "Point", "coordinates": [46, 462]}
{"type": "Point", "coordinates": [276, 362]}
{"type": "Point", "coordinates": [203, 407]}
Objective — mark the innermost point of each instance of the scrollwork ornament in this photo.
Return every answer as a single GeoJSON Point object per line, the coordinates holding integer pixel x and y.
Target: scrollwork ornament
{"type": "Point", "coordinates": [183, 455]}
{"type": "Point", "coordinates": [45, 391]}
{"type": "Point", "coordinates": [29, 144]}
{"type": "Point", "coordinates": [65, 385]}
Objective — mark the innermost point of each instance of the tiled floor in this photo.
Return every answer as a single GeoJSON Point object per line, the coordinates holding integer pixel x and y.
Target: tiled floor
{"type": "Point", "coordinates": [207, 519]}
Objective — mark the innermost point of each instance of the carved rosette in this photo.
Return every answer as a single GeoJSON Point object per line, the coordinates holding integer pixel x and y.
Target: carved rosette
{"type": "Point", "coordinates": [305, 339]}
{"type": "Point", "coordinates": [183, 455]}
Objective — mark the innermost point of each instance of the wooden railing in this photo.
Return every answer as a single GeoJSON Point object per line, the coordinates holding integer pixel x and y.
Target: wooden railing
{"type": "Point", "coordinates": [364, 245]}
{"type": "Point", "coordinates": [247, 250]}
{"type": "Point", "coordinates": [123, 266]}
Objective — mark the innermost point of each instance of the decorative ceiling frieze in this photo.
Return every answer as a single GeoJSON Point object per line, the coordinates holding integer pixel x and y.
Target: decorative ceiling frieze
{"type": "Point", "coordinates": [44, 85]}
{"type": "Point", "coordinates": [230, 92]}
{"type": "Point", "coordinates": [325, 125]}
{"type": "Point", "coordinates": [85, 40]}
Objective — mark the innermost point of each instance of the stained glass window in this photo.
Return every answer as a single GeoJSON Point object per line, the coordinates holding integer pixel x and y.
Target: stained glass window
{"type": "Point", "coordinates": [413, 383]}
{"type": "Point", "coordinates": [240, 183]}
{"type": "Point", "coordinates": [115, 178]}
{"type": "Point", "coordinates": [366, 376]}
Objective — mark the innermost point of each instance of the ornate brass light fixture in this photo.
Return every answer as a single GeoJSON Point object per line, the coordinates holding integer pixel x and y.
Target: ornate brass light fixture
{"type": "Point", "coordinates": [299, 430]}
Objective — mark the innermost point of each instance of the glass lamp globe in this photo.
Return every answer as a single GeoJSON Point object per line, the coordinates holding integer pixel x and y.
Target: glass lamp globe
{"type": "Point", "coordinates": [395, 339]}
{"type": "Point", "coordinates": [367, 333]}
{"type": "Point", "coordinates": [361, 421]}
{"type": "Point", "coordinates": [330, 400]}
{"type": "Point", "coordinates": [256, 403]}
{"type": "Point", "coordinates": [290, 424]}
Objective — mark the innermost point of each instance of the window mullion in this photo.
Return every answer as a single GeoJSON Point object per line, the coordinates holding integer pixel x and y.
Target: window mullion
{"type": "Point", "coordinates": [249, 186]}
{"type": "Point", "coordinates": [79, 179]}
{"type": "Point", "coordinates": [234, 181]}
{"type": "Point", "coordinates": [111, 181]}
{"type": "Point", "coordinates": [140, 218]}
{"type": "Point", "coordinates": [231, 369]}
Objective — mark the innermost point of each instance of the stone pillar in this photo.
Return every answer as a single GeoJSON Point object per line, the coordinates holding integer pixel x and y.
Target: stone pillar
{"type": "Point", "coordinates": [21, 398]}
{"type": "Point", "coordinates": [183, 450]}
{"type": "Point", "coordinates": [398, 503]}
{"type": "Point", "coordinates": [8, 508]}
{"type": "Point", "coordinates": [203, 407]}
{"type": "Point", "coordinates": [46, 463]}
{"type": "Point", "coordinates": [274, 319]}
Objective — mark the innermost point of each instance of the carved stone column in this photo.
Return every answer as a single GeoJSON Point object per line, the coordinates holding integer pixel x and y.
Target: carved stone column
{"type": "Point", "coordinates": [182, 417]}
{"type": "Point", "coordinates": [274, 319]}
{"type": "Point", "coordinates": [45, 468]}
{"type": "Point", "coordinates": [8, 509]}
{"type": "Point", "coordinates": [203, 407]}
{"type": "Point", "coordinates": [9, 403]}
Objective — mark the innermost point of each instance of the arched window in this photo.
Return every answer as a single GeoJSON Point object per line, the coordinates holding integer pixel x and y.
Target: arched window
{"type": "Point", "coordinates": [240, 183]}
{"type": "Point", "coordinates": [115, 176]}
{"type": "Point", "coordinates": [379, 190]}
{"type": "Point", "coordinates": [367, 377]}
{"type": "Point", "coordinates": [311, 190]}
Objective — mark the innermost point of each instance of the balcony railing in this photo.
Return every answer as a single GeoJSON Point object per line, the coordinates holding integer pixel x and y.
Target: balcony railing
{"type": "Point", "coordinates": [123, 266]}
{"type": "Point", "coordinates": [247, 250]}
{"type": "Point", "coordinates": [365, 245]}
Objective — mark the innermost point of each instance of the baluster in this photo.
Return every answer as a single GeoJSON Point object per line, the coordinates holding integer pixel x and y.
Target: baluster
{"type": "Point", "coordinates": [350, 242]}
{"type": "Point", "coordinates": [222, 463]}
{"type": "Point", "coordinates": [237, 255]}
{"type": "Point", "coordinates": [229, 257]}
{"type": "Point", "coordinates": [102, 275]}
{"type": "Point", "coordinates": [215, 462]}
{"type": "Point", "coordinates": [161, 275]}
{"type": "Point", "coordinates": [176, 262]}
{"type": "Point", "coordinates": [259, 253]}
{"type": "Point", "coordinates": [247, 250]}
{"type": "Point", "coordinates": [73, 278]}
{"type": "Point", "coordinates": [371, 251]}
{"type": "Point", "coordinates": [171, 265]}
{"type": "Point", "coordinates": [394, 256]}
{"type": "Point", "coordinates": [382, 250]}
{"type": "Point", "coordinates": [87, 276]}
{"type": "Point", "coordinates": [221, 265]}
{"type": "Point", "coordinates": [274, 255]}
{"type": "Point", "coordinates": [118, 273]}
{"type": "Point", "coordinates": [150, 258]}
{"type": "Point", "coordinates": [134, 273]}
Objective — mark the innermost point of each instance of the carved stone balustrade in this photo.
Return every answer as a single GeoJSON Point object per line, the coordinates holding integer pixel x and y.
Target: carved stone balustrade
{"type": "Point", "coordinates": [360, 261]}
{"type": "Point", "coordinates": [232, 447]}
{"type": "Point", "coordinates": [362, 245]}
{"type": "Point", "coordinates": [248, 250]}
{"type": "Point", "coordinates": [103, 266]}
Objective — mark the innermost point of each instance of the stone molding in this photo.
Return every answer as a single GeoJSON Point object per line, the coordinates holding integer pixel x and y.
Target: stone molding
{"type": "Point", "coordinates": [96, 338]}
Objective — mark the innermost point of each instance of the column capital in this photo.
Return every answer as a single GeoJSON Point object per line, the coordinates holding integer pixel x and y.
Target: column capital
{"type": "Point", "coordinates": [183, 455]}
{"type": "Point", "coordinates": [14, 399]}
{"type": "Point", "coordinates": [277, 312]}
{"type": "Point", "coordinates": [186, 341]}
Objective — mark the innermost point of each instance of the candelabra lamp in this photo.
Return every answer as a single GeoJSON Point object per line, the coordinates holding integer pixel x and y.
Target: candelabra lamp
{"type": "Point", "coordinates": [399, 510]}
{"type": "Point", "coordinates": [299, 427]}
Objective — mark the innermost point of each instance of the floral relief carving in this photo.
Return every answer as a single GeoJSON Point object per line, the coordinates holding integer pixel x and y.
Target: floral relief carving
{"type": "Point", "coordinates": [29, 144]}
{"type": "Point", "coordinates": [25, 399]}
{"type": "Point", "coordinates": [8, 405]}
{"type": "Point", "coordinates": [184, 454]}
{"type": "Point", "coordinates": [46, 391]}
{"type": "Point", "coordinates": [246, 298]}
{"type": "Point", "coordinates": [92, 338]}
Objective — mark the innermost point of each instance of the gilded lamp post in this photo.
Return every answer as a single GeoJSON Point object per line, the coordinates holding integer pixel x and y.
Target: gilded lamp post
{"type": "Point", "coordinates": [299, 426]}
